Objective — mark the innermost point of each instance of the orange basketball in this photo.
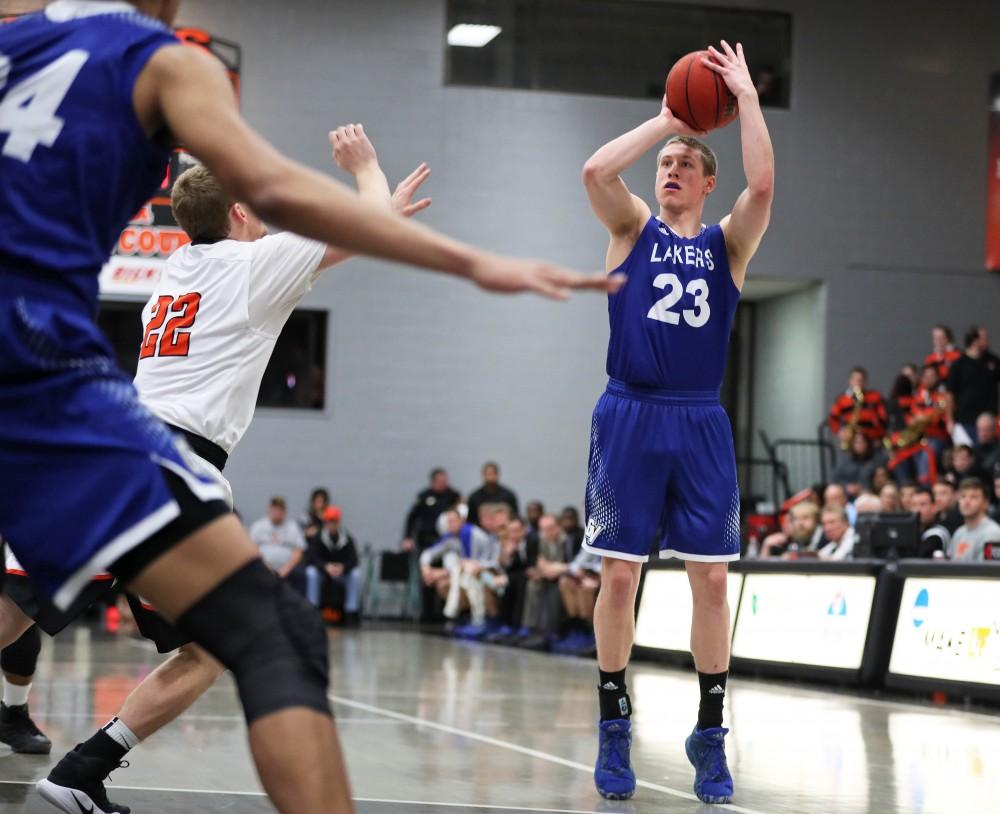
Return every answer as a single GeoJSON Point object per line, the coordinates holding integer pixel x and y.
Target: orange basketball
{"type": "Point", "coordinates": [698, 95]}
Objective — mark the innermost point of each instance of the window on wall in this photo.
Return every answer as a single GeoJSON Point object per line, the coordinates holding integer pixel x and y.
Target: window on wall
{"type": "Point", "coordinates": [608, 47]}
{"type": "Point", "coordinates": [295, 376]}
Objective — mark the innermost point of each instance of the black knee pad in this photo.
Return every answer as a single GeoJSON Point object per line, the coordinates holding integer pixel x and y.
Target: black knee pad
{"type": "Point", "coordinates": [272, 640]}
{"type": "Point", "coordinates": [21, 657]}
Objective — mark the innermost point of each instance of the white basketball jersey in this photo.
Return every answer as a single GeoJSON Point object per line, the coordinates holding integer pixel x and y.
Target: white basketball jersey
{"type": "Point", "coordinates": [211, 325]}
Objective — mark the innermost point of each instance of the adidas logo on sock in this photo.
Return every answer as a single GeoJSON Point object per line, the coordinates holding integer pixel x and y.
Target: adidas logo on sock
{"type": "Point", "coordinates": [610, 685]}
{"type": "Point", "coordinates": [716, 690]}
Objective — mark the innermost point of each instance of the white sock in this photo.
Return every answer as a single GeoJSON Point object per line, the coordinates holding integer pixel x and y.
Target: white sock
{"type": "Point", "coordinates": [120, 734]}
{"type": "Point", "coordinates": [14, 695]}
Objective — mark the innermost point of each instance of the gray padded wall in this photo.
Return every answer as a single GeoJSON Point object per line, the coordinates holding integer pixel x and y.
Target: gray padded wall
{"type": "Point", "coordinates": [881, 191]}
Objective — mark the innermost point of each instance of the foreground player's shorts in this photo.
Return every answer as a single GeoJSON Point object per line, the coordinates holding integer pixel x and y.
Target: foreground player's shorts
{"type": "Point", "coordinates": [87, 474]}
{"type": "Point", "coordinates": [662, 470]}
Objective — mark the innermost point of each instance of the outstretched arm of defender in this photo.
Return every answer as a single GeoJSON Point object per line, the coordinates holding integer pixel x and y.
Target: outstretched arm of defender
{"type": "Point", "coordinates": [188, 92]}
{"type": "Point", "coordinates": [745, 225]}
{"type": "Point", "coordinates": [355, 154]}
{"type": "Point", "coordinates": [621, 212]}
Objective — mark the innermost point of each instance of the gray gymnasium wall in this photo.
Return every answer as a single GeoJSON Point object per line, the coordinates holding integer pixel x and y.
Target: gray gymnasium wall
{"type": "Point", "coordinates": [881, 190]}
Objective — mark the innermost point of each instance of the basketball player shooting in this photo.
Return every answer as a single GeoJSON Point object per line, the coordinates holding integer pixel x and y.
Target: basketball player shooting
{"type": "Point", "coordinates": [102, 90]}
{"type": "Point", "coordinates": [662, 465]}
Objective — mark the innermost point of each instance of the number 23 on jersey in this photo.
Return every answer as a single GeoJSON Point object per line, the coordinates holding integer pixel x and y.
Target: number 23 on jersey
{"type": "Point", "coordinates": [170, 337]}
{"type": "Point", "coordinates": [661, 311]}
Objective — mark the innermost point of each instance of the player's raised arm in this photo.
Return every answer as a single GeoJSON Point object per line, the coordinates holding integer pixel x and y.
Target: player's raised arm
{"type": "Point", "coordinates": [746, 225]}
{"type": "Point", "coordinates": [621, 212]}
{"type": "Point", "coordinates": [355, 154]}
{"type": "Point", "coordinates": [188, 92]}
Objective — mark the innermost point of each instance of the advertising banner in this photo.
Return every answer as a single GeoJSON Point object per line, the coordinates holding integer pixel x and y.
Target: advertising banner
{"type": "Point", "coordinates": [153, 234]}
{"type": "Point", "coordinates": [949, 629]}
{"type": "Point", "coordinates": [809, 619]}
{"type": "Point", "coordinates": [664, 620]}
{"type": "Point", "coordinates": [993, 180]}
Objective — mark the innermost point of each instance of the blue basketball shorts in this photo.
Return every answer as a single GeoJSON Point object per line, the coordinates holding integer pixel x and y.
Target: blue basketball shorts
{"type": "Point", "coordinates": [662, 470]}
{"type": "Point", "coordinates": [87, 474]}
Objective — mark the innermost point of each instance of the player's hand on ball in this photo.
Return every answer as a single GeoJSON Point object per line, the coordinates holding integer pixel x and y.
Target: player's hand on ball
{"type": "Point", "coordinates": [678, 126]}
{"type": "Point", "coordinates": [509, 275]}
{"type": "Point", "coordinates": [732, 67]}
{"type": "Point", "coordinates": [351, 148]}
{"type": "Point", "coordinates": [402, 199]}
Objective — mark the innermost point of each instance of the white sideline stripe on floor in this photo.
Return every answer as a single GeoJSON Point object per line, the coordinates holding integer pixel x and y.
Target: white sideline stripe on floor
{"type": "Point", "coordinates": [514, 747]}
{"type": "Point", "coordinates": [483, 806]}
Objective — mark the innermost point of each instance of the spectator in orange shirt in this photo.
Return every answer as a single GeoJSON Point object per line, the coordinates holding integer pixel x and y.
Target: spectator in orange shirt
{"type": "Point", "coordinates": [871, 414]}
{"type": "Point", "coordinates": [944, 352]}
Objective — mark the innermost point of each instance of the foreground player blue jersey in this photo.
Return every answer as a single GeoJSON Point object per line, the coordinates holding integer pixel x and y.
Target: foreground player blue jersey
{"type": "Point", "coordinates": [75, 164]}
{"type": "Point", "coordinates": [670, 322]}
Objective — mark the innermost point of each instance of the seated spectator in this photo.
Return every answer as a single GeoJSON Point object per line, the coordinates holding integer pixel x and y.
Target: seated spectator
{"type": "Point", "coordinates": [987, 448]}
{"type": "Point", "coordinates": [900, 400]}
{"type": "Point", "coordinates": [279, 539]}
{"type": "Point", "coordinates": [867, 503]}
{"type": "Point", "coordinates": [977, 529]}
{"type": "Point", "coordinates": [569, 520]}
{"type": "Point", "coordinates": [838, 535]}
{"type": "Point", "coordinates": [491, 491]}
{"type": "Point", "coordinates": [420, 529]}
{"type": "Point", "coordinates": [889, 498]}
{"type": "Point", "coordinates": [578, 587]}
{"type": "Point", "coordinates": [803, 532]}
{"type": "Point", "coordinates": [858, 409]}
{"type": "Point", "coordinates": [518, 552]}
{"type": "Point", "coordinates": [930, 409]}
{"type": "Point", "coordinates": [312, 521]}
{"type": "Point", "coordinates": [934, 537]}
{"type": "Point", "coordinates": [461, 555]}
{"type": "Point", "coordinates": [533, 513]}
{"type": "Point", "coordinates": [332, 556]}
{"type": "Point", "coordinates": [906, 493]}
{"type": "Point", "coordinates": [543, 603]}
{"type": "Point", "coordinates": [856, 466]}
{"type": "Point", "coordinates": [836, 495]}
{"type": "Point", "coordinates": [488, 575]}
{"type": "Point", "coordinates": [964, 466]}
{"type": "Point", "coordinates": [995, 507]}
{"type": "Point", "coordinates": [946, 503]}
{"type": "Point", "coordinates": [880, 477]}
{"type": "Point", "coordinates": [944, 351]}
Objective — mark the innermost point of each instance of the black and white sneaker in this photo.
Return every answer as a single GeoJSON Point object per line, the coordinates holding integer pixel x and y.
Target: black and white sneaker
{"type": "Point", "coordinates": [76, 785]}
{"type": "Point", "coordinates": [19, 732]}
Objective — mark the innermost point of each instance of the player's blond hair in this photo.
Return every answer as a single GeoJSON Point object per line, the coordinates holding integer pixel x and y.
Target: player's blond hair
{"type": "Point", "coordinates": [200, 205]}
{"type": "Point", "coordinates": [709, 163]}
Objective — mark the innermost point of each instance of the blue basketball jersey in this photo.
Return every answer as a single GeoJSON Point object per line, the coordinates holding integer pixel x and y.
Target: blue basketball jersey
{"type": "Point", "coordinates": [75, 164]}
{"type": "Point", "coordinates": [670, 322]}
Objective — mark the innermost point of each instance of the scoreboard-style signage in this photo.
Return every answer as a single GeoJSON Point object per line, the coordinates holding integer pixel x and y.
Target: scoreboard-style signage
{"type": "Point", "coordinates": [153, 235]}
{"type": "Point", "coordinates": [948, 629]}
{"type": "Point", "coordinates": [815, 620]}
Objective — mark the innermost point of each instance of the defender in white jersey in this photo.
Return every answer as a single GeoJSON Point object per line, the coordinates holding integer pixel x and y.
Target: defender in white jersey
{"type": "Point", "coordinates": [210, 328]}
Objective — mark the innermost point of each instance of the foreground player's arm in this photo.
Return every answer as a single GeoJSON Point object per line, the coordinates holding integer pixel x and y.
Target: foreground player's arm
{"type": "Point", "coordinates": [188, 92]}
{"type": "Point", "coordinates": [745, 225]}
{"type": "Point", "coordinates": [621, 212]}
{"type": "Point", "coordinates": [355, 154]}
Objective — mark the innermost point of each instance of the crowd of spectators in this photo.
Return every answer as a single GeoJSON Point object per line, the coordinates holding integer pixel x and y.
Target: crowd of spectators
{"type": "Point", "coordinates": [316, 555]}
{"type": "Point", "coordinates": [521, 581]}
{"type": "Point", "coordinates": [929, 448]}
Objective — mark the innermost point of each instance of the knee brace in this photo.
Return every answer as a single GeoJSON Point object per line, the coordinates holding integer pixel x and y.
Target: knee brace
{"type": "Point", "coordinates": [21, 657]}
{"type": "Point", "coordinates": [272, 640]}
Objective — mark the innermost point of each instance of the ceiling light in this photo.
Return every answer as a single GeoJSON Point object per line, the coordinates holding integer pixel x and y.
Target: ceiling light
{"type": "Point", "coordinates": [472, 36]}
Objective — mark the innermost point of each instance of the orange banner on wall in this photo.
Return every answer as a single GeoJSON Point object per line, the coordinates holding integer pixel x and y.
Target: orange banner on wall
{"type": "Point", "coordinates": [993, 189]}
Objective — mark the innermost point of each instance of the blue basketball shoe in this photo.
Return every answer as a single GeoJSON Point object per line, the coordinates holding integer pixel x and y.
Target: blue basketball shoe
{"type": "Point", "coordinates": [613, 773]}
{"type": "Point", "coordinates": [706, 749]}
